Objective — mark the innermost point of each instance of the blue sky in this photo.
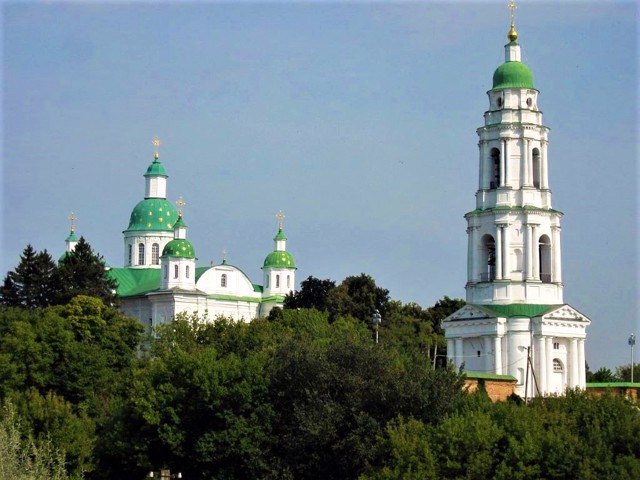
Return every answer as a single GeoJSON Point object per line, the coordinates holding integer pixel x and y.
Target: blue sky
{"type": "Point", "coordinates": [356, 119]}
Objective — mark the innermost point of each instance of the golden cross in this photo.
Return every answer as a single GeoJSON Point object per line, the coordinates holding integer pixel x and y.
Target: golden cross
{"type": "Point", "coordinates": [156, 143]}
{"type": "Point", "coordinates": [224, 255]}
{"type": "Point", "coordinates": [72, 218]}
{"type": "Point", "coordinates": [512, 6]}
{"type": "Point", "coordinates": [180, 203]}
{"type": "Point", "coordinates": [280, 217]}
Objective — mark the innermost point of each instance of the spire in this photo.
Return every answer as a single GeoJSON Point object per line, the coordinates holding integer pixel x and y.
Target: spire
{"type": "Point", "coordinates": [180, 228]}
{"type": "Point", "coordinates": [280, 237]}
{"type": "Point", "coordinates": [512, 35]}
{"type": "Point", "coordinates": [156, 175]}
{"type": "Point", "coordinates": [72, 240]}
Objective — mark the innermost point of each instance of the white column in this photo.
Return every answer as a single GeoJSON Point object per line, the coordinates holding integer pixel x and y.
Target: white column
{"type": "Point", "coordinates": [549, 360]}
{"type": "Point", "coordinates": [498, 245]}
{"type": "Point", "coordinates": [544, 170]}
{"type": "Point", "coordinates": [573, 367]}
{"type": "Point", "coordinates": [528, 254]}
{"type": "Point", "coordinates": [541, 362]}
{"type": "Point", "coordinates": [470, 254]}
{"type": "Point", "coordinates": [459, 353]}
{"type": "Point", "coordinates": [581, 364]}
{"type": "Point", "coordinates": [535, 251]}
{"type": "Point", "coordinates": [557, 256]}
{"type": "Point", "coordinates": [502, 162]}
{"type": "Point", "coordinates": [451, 350]}
{"type": "Point", "coordinates": [488, 357]}
{"type": "Point", "coordinates": [506, 269]}
{"type": "Point", "coordinates": [497, 354]}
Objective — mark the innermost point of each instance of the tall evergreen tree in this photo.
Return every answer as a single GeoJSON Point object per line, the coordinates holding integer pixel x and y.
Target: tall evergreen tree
{"type": "Point", "coordinates": [82, 272]}
{"type": "Point", "coordinates": [34, 283]}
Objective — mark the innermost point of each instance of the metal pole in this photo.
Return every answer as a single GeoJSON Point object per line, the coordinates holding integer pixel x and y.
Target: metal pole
{"type": "Point", "coordinates": [632, 342]}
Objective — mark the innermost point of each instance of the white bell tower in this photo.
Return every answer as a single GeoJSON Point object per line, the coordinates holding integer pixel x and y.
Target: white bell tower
{"type": "Point", "coordinates": [515, 322]}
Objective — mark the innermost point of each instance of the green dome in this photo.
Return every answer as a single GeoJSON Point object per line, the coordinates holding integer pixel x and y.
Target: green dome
{"type": "Point", "coordinates": [156, 169]}
{"type": "Point", "coordinates": [280, 235]}
{"type": "Point", "coordinates": [153, 214]}
{"type": "Point", "coordinates": [512, 75]}
{"type": "Point", "coordinates": [179, 247]}
{"type": "Point", "coordinates": [279, 259]}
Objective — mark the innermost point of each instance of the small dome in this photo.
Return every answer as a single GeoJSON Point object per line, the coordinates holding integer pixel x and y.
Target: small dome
{"type": "Point", "coordinates": [512, 75]}
{"type": "Point", "coordinates": [153, 214]}
{"type": "Point", "coordinates": [156, 169]}
{"type": "Point", "coordinates": [280, 235]}
{"type": "Point", "coordinates": [279, 259]}
{"type": "Point", "coordinates": [180, 248]}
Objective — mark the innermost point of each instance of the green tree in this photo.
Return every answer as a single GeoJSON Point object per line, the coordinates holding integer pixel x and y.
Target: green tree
{"type": "Point", "coordinates": [312, 294]}
{"type": "Point", "coordinates": [358, 297]}
{"type": "Point", "coordinates": [623, 373]}
{"type": "Point", "coordinates": [602, 375]}
{"type": "Point", "coordinates": [34, 282]}
{"type": "Point", "coordinates": [82, 272]}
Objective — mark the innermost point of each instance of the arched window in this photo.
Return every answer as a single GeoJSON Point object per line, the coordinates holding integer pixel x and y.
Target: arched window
{"type": "Point", "coordinates": [535, 159]}
{"type": "Point", "coordinates": [517, 253]}
{"type": "Point", "coordinates": [495, 169]}
{"type": "Point", "coordinates": [130, 254]}
{"type": "Point", "coordinates": [277, 281]}
{"type": "Point", "coordinates": [186, 271]}
{"type": "Point", "coordinates": [545, 259]}
{"type": "Point", "coordinates": [557, 365]}
{"type": "Point", "coordinates": [175, 271]}
{"type": "Point", "coordinates": [155, 254]}
{"type": "Point", "coordinates": [141, 254]}
{"type": "Point", "coordinates": [223, 280]}
{"type": "Point", "coordinates": [288, 281]}
{"type": "Point", "coordinates": [488, 259]}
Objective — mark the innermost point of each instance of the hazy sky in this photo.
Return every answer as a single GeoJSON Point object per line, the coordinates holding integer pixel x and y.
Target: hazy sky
{"type": "Point", "coordinates": [356, 119]}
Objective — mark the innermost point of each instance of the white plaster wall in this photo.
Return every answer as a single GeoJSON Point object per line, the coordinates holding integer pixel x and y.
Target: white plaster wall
{"type": "Point", "coordinates": [238, 284]}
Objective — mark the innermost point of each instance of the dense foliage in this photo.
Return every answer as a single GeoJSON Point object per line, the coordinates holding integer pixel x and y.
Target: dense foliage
{"type": "Point", "coordinates": [304, 394]}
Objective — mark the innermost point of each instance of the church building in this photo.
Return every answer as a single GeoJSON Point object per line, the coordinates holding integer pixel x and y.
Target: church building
{"type": "Point", "coordinates": [515, 321]}
{"type": "Point", "coordinates": [160, 278]}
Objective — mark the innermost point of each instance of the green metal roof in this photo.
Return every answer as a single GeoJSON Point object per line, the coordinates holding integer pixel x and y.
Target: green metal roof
{"type": "Point", "coordinates": [490, 376]}
{"type": "Point", "coordinates": [72, 237]}
{"type": "Point", "coordinates": [180, 223]}
{"type": "Point", "coordinates": [512, 75]}
{"type": "Point", "coordinates": [280, 235]}
{"type": "Point", "coordinates": [179, 248]}
{"type": "Point", "coordinates": [519, 309]}
{"type": "Point", "coordinates": [135, 281]}
{"type": "Point", "coordinates": [156, 169]}
{"type": "Point", "coordinates": [279, 259]}
{"type": "Point", "coordinates": [153, 214]}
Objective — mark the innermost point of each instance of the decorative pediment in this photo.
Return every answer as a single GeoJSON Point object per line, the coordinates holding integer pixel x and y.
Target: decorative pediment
{"type": "Point", "coordinates": [566, 312]}
{"type": "Point", "coordinates": [469, 312]}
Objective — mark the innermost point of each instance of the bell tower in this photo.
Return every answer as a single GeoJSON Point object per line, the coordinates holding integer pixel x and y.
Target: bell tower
{"type": "Point", "coordinates": [515, 322]}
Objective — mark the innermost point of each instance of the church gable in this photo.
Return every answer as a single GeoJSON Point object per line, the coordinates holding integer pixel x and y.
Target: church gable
{"type": "Point", "coordinates": [469, 312]}
{"type": "Point", "coordinates": [566, 312]}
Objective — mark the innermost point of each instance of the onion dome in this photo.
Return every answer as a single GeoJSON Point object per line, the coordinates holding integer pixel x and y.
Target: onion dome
{"type": "Point", "coordinates": [280, 259]}
{"type": "Point", "coordinates": [179, 248]}
{"type": "Point", "coordinates": [153, 214]}
{"type": "Point", "coordinates": [513, 75]}
{"type": "Point", "coordinates": [156, 169]}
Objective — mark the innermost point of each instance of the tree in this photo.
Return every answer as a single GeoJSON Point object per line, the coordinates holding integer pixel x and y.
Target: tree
{"type": "Point", "coordinates": [82, 272]}
{"type": "Point", "coordinates": [312, 294]}
{"type": "Point", "coordinates": [357, 296]}
{"type": "Point", "coordinates": [34, 283]}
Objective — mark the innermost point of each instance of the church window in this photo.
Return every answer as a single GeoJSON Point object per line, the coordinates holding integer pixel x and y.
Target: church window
{"type": "Point", "coordinates": [130, 253]}
{"type": "Point", "coordinates": [175, 271]}
{"type": "Point", "coordinates": [488, 258]}
{"type": "Point", "coordinates": [495, 169]}
{"type": "Point", "coordinates": [141, 254]}
{"type": "Point", "coordinates": [288, 281]}
{"type": "Point", "coordinates": [556, 345]}
{"type": "Point", "coordinates": [223, 280]}
{"type": "Point", "coordinates": [545, 259]}
{"type": "Point", "coordinates": [499, 102]}
{"type": "Point", "coordinates": [535, 159]}
{"type": "Point", "coordinates": [186, 271]}
{"type": "Point", "coordinates": [529, 102]}
{"type": "Point", "coordinates": [155, 254]}
{"type": "Point", "coordinates": [557, 365]}
{"type": "Point", "coordinates": [266, 281]}
{"type": "Point", "coordinates": [277, 281]}
{"type": "Point", "coordinates": [166, 271]}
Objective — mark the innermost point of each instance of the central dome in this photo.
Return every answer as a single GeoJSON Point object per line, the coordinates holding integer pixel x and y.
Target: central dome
{"type": "Point", "coordinates": [513, 75]}
{"type": "Point", "coordinates": [153, 214]}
